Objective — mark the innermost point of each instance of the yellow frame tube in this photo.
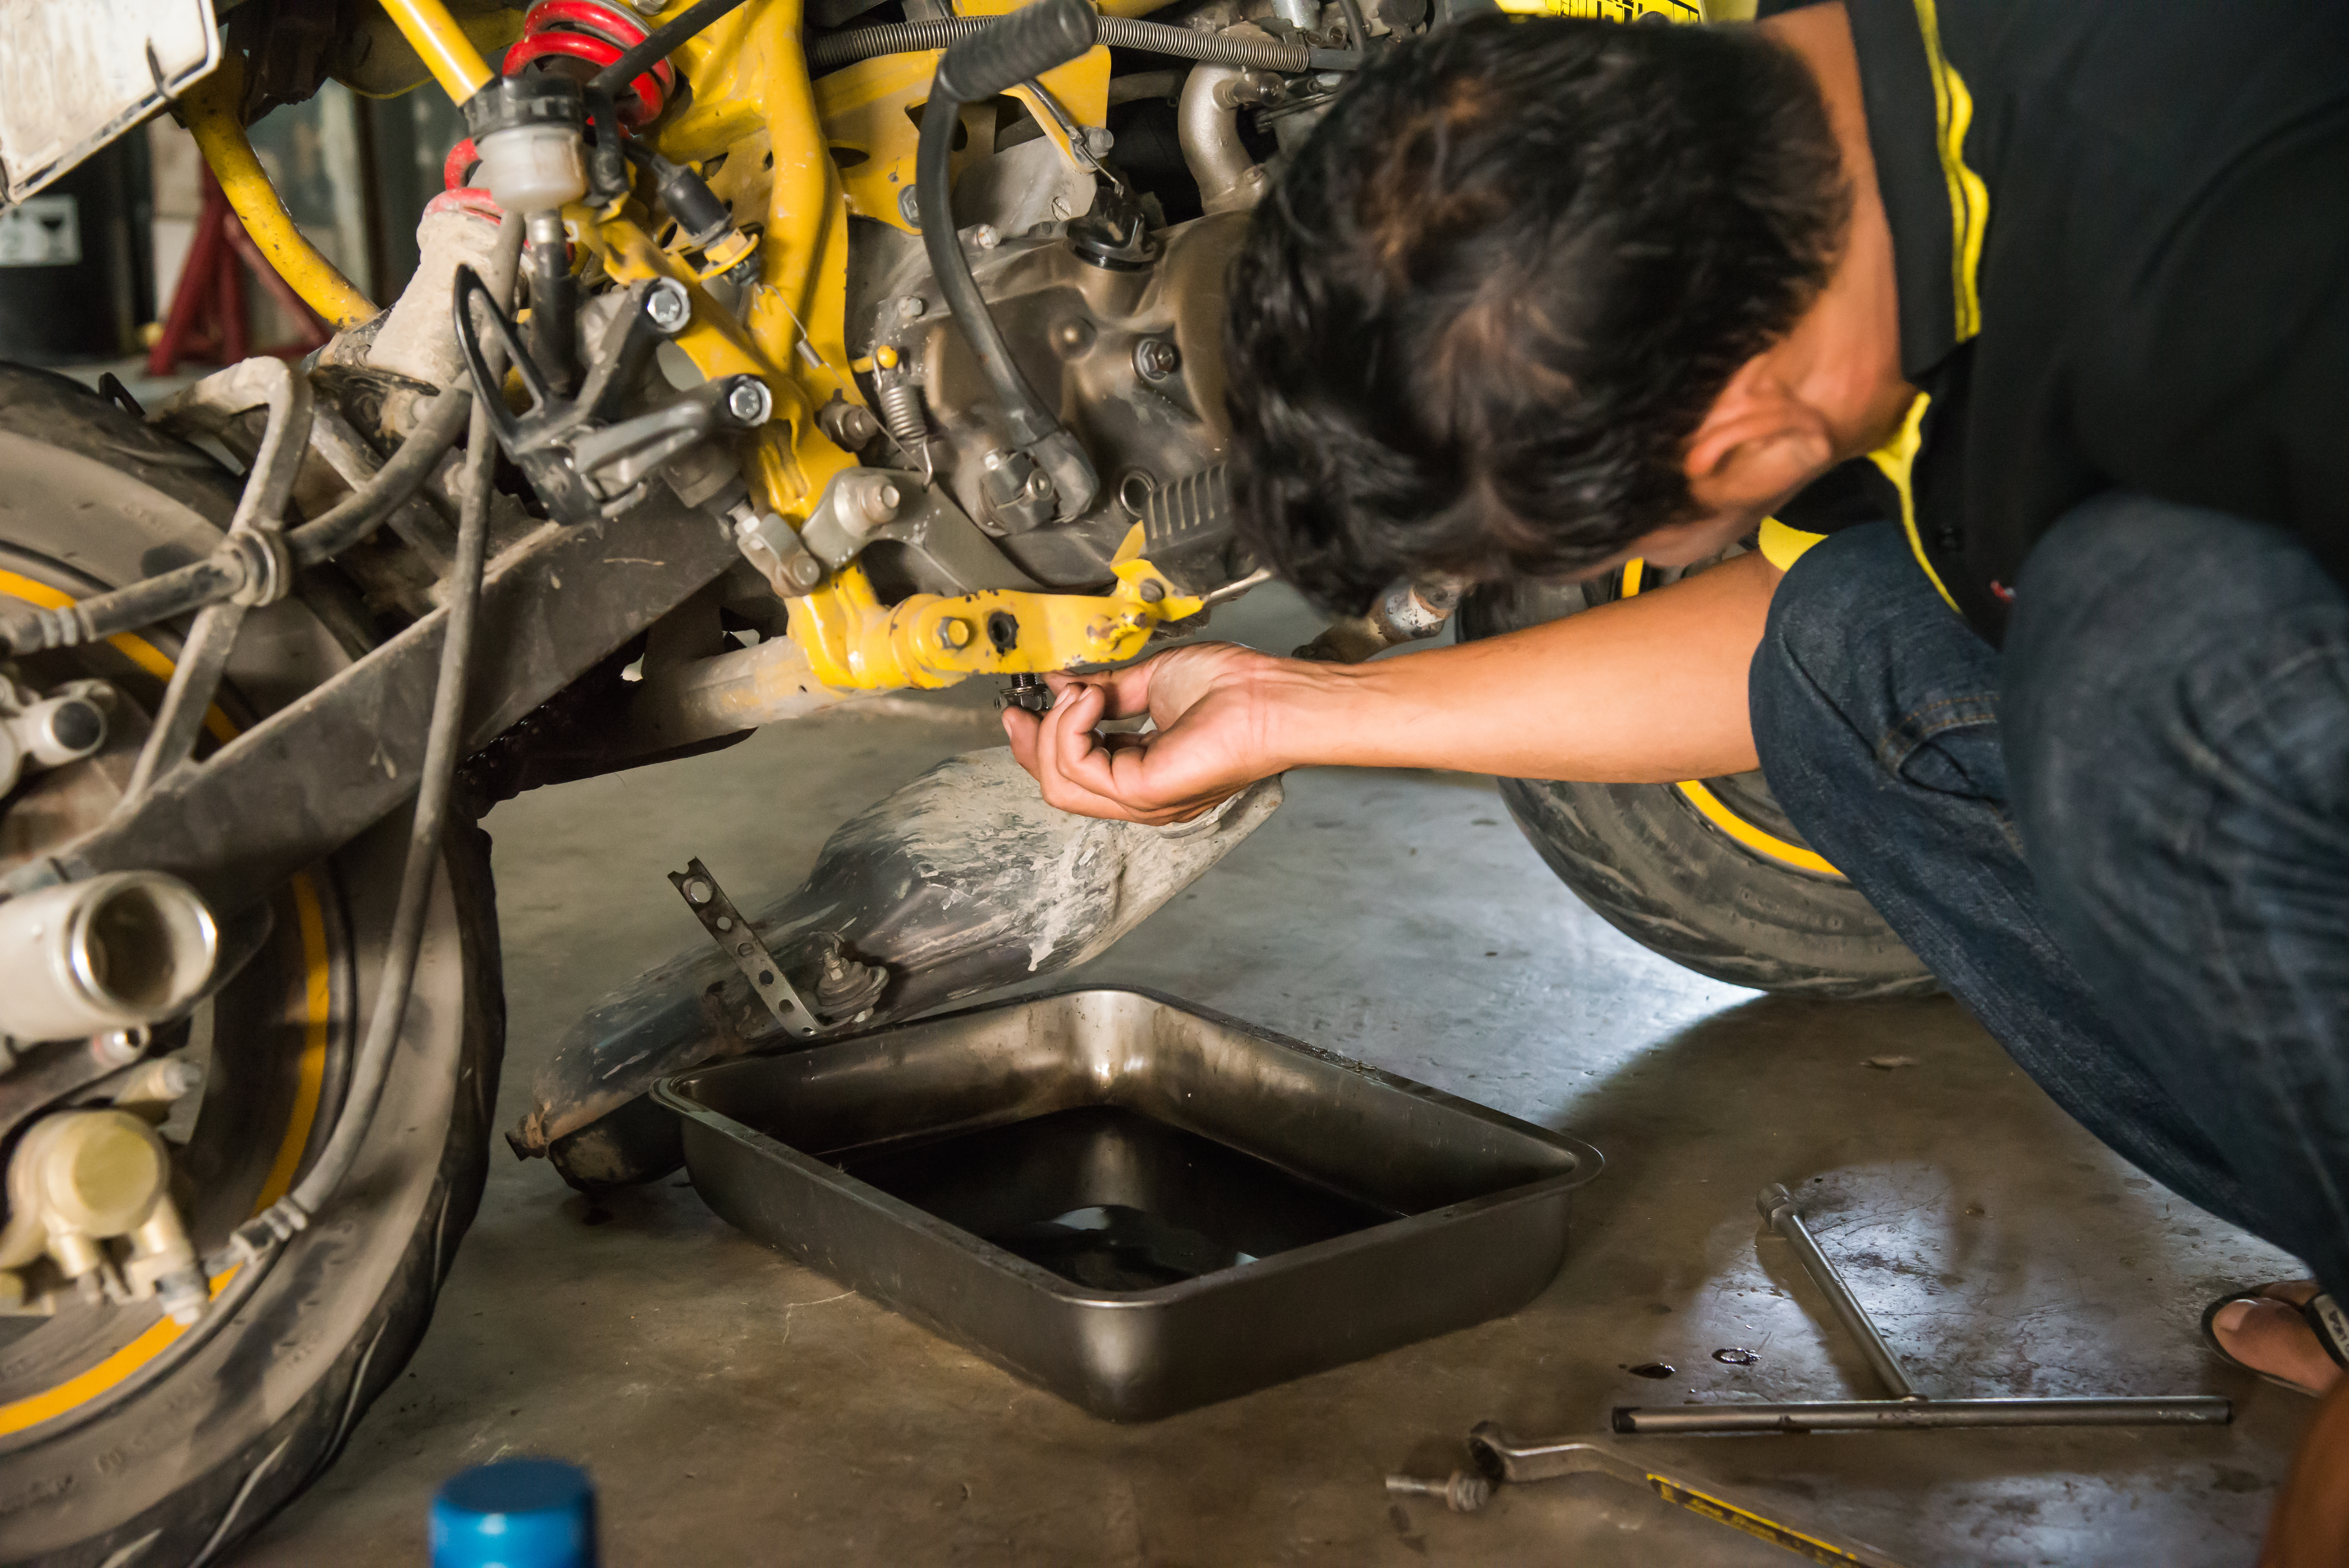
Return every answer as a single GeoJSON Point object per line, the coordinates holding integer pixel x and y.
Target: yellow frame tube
{"type": "Point", "coordinates": [211, 110]}
{"type": "Point", "coordinates": [447, 53]}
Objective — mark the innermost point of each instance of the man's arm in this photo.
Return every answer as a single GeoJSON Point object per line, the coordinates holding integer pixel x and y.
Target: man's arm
{"type": "Point", "coordinates": [1650, 689]}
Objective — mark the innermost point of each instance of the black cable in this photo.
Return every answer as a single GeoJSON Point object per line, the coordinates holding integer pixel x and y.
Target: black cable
{"type": "Point", "coordinates": [659, 45]}
{"type": "Point", "coordinates": [1359, 36]}
{"type": "Point", "coordinates": [837, 49]}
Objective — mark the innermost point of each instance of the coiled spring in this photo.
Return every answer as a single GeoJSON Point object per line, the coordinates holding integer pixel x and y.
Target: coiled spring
{"type": "Point", "coordinates": [901, 411]}
{"type": "Point", "coordinates": [597, 34]}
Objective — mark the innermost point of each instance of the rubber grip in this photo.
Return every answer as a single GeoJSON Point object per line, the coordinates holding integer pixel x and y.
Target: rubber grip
{"type": "Point", "coordinates": [1027, 43]}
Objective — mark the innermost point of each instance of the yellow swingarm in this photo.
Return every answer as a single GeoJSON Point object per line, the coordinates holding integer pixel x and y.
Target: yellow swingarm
{"type": "Point", "coordinates": [754, 106]}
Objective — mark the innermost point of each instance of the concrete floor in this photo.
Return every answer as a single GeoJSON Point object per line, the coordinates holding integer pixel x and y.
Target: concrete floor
{"type": "Point", "coordinates": [736, 1408]}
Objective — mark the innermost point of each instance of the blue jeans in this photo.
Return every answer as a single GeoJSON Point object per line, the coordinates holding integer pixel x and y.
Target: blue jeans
{"type": "Point", "coordinates": [2123, 842]}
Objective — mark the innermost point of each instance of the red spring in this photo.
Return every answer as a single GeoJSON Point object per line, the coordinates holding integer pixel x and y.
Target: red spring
{"type": "Point", "coordinates": [597, 34]}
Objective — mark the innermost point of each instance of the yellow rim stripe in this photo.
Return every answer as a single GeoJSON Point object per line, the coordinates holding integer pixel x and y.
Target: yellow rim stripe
{"type": "Point", "coordinates": [1953, 115]}
{"type": "Point", "coordinates": [138, 650]}
{"type": "Point", "coordinates": [1760, 841]}
{"type": "Point", "coordinates": [319, 1009]}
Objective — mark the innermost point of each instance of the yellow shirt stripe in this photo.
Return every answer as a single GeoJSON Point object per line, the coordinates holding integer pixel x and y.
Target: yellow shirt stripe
{"type": "Point", "coordinates": [1953, 114]}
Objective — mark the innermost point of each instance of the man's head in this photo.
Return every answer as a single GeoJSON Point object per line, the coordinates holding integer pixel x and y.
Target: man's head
{"type": "Point", "coordinates": [1482, 314]}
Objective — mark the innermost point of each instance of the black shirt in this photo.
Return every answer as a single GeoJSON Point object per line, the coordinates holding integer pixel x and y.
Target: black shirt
{"type": "Point", "coordinates": [2121, 238]}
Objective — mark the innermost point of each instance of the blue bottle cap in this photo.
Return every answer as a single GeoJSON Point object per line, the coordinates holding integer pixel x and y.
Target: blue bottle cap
{"type": "Point", "coordinates": [523, 1513]}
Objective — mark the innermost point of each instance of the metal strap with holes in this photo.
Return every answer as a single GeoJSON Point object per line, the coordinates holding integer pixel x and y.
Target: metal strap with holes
{"type": "Point", "coordinates": [732, 933]}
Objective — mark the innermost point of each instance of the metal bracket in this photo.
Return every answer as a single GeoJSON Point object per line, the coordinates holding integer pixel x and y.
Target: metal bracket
{"type": "Point", "coordinates": [732, 933]}
{"type": "Point", "coordinates": [583, 458]}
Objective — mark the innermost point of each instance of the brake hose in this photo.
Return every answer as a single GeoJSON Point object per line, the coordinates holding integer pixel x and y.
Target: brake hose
{"type": "Point", "coordinates": [1007, 51]}
{"type": "Point", "coordinates": [254, 1247]}
{"type": "Point", "coordinates": [660, 44]}
{"type": "Point", "coordinates": [837, 49]}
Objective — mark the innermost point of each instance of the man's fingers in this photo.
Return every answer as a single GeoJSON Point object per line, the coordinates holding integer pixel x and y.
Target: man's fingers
{"type": "Point", "coordinates": [1020, 727]}
{"type": "Point", "coordinates": [1126, 691]}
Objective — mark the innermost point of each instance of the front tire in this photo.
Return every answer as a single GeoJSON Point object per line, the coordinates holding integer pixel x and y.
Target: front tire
{"type": "Point", "coordinates": [179, 1471]}
{"type": "Point", "coordinates": [1710, 873]}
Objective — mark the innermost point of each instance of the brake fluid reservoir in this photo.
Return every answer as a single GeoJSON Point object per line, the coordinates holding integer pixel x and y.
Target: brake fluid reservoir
{"type": "Point", "coordinates": [532, 168]}
{"type": "Point", "coordinates": [527, 130]}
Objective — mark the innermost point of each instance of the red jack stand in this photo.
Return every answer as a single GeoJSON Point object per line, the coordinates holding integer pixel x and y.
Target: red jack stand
{"type": "Point", "coordinates": [207, 320]}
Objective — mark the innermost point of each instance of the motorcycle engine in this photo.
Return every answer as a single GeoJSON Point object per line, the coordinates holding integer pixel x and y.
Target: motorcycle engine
{"type": "Point", "coordinates": [1116, 326]}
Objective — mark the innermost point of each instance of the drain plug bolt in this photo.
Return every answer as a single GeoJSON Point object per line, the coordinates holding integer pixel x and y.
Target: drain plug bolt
{"type": "Point", "coordinates": [1461, 1492]}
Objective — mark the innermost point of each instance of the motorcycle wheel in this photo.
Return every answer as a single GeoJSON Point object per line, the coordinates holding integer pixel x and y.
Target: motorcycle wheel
{"type": "Point", "coordinates": [105, 1463]}
{"type": "Point", "coordinates": [1708, 872]}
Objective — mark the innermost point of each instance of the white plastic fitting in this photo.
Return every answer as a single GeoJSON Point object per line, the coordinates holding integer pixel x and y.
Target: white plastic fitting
{"type": "Point", "coordinates": [533, 168]}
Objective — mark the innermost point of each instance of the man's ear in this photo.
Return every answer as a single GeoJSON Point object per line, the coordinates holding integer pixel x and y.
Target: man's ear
{"type": "Point", "coordinates": [1757, 445]}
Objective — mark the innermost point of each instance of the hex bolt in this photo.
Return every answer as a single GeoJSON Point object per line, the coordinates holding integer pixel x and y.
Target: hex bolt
{"type": "Point", "coordinates": [1156, 358]}
{"type": "Point", "coordinates": [986, 237]}
{"type": "Point", "coordinates": [909, 208]}
{"type": "Point", "coordinates": [1461, 1492]}
{"type": "Point", "coordinates": [667, 307]}
{"type": "Point", "coordinates": [750, 402]}
{"type": "Point", "coordinates": [954, 631]}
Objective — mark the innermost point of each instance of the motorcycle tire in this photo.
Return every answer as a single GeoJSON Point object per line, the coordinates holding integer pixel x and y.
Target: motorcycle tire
{"type": "Point", "coordinates": [99, 1466]}
{"type": "Point", "coordinates": [1710, 873]}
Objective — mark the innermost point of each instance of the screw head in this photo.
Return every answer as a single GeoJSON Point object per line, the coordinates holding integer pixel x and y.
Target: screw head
{"type": "Point", "coordinates": [1152, 590]}
{"type": "Point", "coordinates": [954, 631]}
{"type": "Point", "coordinates": [1156, 358]}
{"type": "Point", "coordinates": [986, 237]}
{"type": "Point", "coordinates": [911, 306]}
{"type": "Point", "coordinates": [804, 570]}
{"type": "Point", "coordinates": [668, 306]}
{"type": "Point", "coordinates": [909, 208]}
{"type": "Point", "coordinates": [750, 402]}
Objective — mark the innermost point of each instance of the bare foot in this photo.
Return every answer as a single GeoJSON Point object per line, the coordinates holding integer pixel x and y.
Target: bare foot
{"type": "Point", "coordinates": [2265, 1332]}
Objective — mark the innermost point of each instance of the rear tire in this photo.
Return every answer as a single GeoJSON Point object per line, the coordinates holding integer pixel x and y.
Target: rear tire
{"type": "Point", "coordinates": [182, 1469]}
{"type": "Point", "coordinates": [1656, 867]}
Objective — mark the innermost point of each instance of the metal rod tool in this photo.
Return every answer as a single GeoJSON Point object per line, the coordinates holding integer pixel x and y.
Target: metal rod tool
{"type": "Point", "coordinates": [1503, 1457]}
{"type": "Point", "coordinates": [1907, 1409]}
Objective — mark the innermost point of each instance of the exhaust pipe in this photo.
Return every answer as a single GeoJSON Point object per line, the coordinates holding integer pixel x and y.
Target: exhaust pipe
{"type": "Point", "coordinates": [117, 951]}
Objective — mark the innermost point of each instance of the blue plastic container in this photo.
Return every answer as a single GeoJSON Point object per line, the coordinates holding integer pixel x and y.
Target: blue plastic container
{"type": "Point", "coordinates": [523, 1513]}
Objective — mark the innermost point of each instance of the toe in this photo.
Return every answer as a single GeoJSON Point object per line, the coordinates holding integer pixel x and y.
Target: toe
{"type": "Point", "coordinates": [2267, 1336]}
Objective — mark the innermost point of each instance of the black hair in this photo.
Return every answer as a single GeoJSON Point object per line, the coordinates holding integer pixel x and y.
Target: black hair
{"type": "Point", "coordinates": [1481, 313]}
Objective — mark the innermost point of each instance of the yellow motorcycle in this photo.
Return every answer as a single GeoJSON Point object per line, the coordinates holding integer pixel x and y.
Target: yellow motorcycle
{"type": "Point", "coordinates": [762, 356]}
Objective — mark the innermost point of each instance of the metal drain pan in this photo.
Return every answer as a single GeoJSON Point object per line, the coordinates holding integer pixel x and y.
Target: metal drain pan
{"type": "Point", "coordinates": [1483, 1196]}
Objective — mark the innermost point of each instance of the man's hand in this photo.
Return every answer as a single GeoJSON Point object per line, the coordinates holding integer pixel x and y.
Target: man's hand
{"type": "Point", "coordinates": [1212, 737]}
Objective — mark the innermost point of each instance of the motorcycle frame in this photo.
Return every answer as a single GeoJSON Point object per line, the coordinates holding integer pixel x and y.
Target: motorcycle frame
{"type": "Point", "coordinates": [307, 780]}
{"type": "Point", "coordinates": [754, 104]}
